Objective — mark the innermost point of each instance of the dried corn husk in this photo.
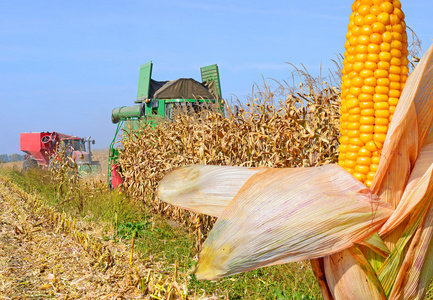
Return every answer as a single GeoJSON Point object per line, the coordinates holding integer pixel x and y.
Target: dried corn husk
{"type": "Point", "coordinates": [419, 183]}
{"type": "Point", "coordinates": [284, 215]}
{"type": "Point", "coordinates": [417, 271]}
{"type": "Point", "coordinates": [345, 269]}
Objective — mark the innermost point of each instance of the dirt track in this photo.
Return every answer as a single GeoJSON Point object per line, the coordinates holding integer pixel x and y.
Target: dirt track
{"type": "Point", "coordinates": [38, 261]}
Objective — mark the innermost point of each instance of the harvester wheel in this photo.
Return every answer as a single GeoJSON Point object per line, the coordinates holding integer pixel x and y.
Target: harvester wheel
{"type": "Point", "coordinates": [29, 163]}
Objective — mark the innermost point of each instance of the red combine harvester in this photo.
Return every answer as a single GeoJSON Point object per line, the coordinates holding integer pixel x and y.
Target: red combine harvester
{"type": "Point", "coordinates": [41, 147]}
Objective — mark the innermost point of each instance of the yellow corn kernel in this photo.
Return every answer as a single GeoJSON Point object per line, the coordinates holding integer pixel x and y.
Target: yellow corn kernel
{"type": "Point", "coordinates": [382, 113]}
{"type": "Point", "coordinates": [381, 129]}
{"type": "Point", "coordinates": [366, 137]}
{"type": "Point", "coordinates": [381, 105]}
{"type": "Point", "coordinates": [365, 98]}
{"type": "Point", "coordinates": [353, 125]}
{"type": "Point", "coordinates": [355, 143]}
{"type": "Point", "coordinates": [366, 128]}
{"type": "Point", "coordinates": [365, 161]}
{"type": "Point", "coordinates": [353, 147]}
{"type": "Point", "coordinates": [380, 73]}
{"type": "Point", "coordinates": [361, 177]}
{"type": "Point", "coordinates": [353, 118]}
{"type": "Point", "coordinates": [382, 89]}
{"type": "Point", "coordinates": [371, 146]}
{"type": "Point", "coordinates": [394, 94]}
{"type": "Point", "coordinates": [373, 167]}
{"type": "Point", "coordinates": [375, 159]}
{"type": "Point", "coordinates": [380, 98]}
{"type": "Point", "coordinates": [379, 137]}
{"type": "Point", "coordinates": [383, 82]}
{"type": "Point", "coordinates": [355, 111]}
{"type": "Point", "coordinates": [344, 140]}
{"type": "Point", "coordinates": [367, 112]}
{"type": "Point", "coordinates": [366, 120]}
{"type": "Point", "coordinates": [366, 104]}
{"type": "Point", "coordinates": [364, 152]}
{"type": "Point", "coordinates": [351, 155]}
{"type": "Point", "coordinates": [381, 121]}
{"type": "Point", "coordinates": [348, 163]}
{"type": "Point", "coordinates": [392, 101]}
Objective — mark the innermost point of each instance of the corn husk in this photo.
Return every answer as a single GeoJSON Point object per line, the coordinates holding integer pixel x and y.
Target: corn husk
{"type": "Point", "coordinates": [416, 273]}
{"type": "Point", "coordinates": [204, 189]}
{"type": "Point", "coordinates": [419, 183]}
{"type": "Point", "coordinates": [285, 215]}
{"type": "Point", "coordinates": [345, 269]}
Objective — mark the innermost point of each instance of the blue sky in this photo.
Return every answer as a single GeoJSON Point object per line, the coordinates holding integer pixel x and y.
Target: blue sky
{"type": "Point", "coordinates": [64, 65]}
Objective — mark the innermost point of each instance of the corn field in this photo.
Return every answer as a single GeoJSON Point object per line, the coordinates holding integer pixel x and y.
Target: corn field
{"type": "Point", "coordinates": [302, 130]}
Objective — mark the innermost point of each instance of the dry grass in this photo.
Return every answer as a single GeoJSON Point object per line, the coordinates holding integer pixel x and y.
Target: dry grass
{"type": "Point", "coordinates": [15, 165]}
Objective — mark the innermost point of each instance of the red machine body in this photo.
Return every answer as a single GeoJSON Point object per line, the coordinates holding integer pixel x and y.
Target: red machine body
{"type": "Point", "coordinates": [42, 145]}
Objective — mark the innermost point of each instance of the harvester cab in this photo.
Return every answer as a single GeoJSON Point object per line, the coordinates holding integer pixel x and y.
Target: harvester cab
{"type": "Point", "coordinates": [41, 148]}
{"type": "Point", "coordinates": [159, 101]}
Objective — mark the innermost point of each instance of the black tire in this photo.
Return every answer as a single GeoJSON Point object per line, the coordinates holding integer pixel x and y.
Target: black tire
{"type": "Point", "coordinates": [30, 163]}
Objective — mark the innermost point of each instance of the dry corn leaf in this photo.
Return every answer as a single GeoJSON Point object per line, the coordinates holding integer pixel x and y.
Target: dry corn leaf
{"type": "Point", "coordinates": [266, 222]}
{"type": "Point", "coordinates": [204, 189]}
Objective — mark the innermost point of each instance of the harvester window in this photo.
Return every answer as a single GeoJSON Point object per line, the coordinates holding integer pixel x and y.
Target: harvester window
{"type": "Point", "coordinates": [79, 145]}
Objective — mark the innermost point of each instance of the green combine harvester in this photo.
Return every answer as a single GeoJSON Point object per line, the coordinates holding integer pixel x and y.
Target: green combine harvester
{"type": "Point", "coordinates": [159, 101]}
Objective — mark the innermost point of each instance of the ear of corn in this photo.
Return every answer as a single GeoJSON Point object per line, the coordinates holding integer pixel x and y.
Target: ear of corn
{"type": "Point", "coordinates": [374, 74]}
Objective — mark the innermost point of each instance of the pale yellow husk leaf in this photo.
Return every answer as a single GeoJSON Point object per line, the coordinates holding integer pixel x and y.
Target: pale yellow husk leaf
{"type": "Point", "coordinates": [285, 215]}
{"type": "Point", "coordinates": [345, 269]}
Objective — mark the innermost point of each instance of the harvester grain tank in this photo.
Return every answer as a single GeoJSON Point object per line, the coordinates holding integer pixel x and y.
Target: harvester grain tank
{"type": "Point", "coordinates": [41, 147]}
{"type": "Point", "coordinates": [159, 101]}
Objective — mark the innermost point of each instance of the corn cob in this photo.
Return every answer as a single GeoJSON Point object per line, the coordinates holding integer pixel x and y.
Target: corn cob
{"type": "Point", "coordinates": [375, 70]}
